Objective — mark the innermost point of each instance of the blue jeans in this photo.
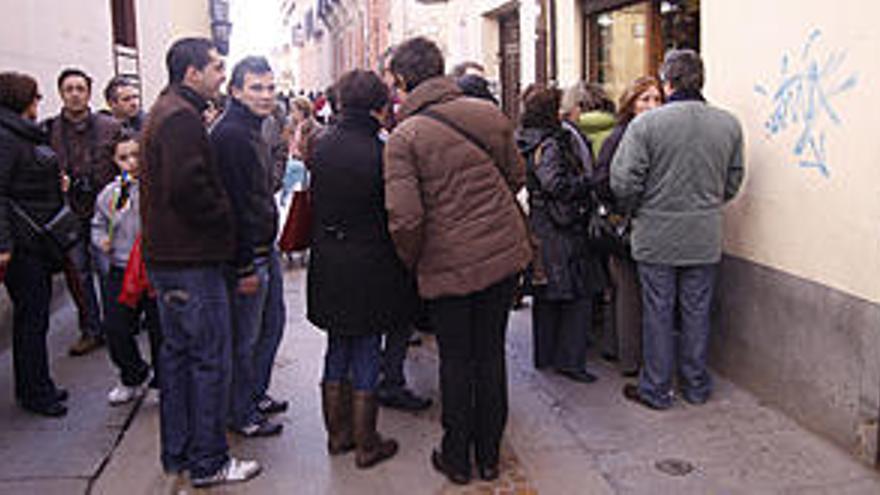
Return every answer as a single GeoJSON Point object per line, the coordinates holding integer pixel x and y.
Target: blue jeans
{"type": "Point", "coordinates": [248, 316]}
{"type": "Point", "coordinates": [194, 363]}
{"type": "Point", "coordinates": [274, 318]}
{"type": "Point", "coordinates": [353, 358]}
{"type": "Point", "coordinates": [691, 288]}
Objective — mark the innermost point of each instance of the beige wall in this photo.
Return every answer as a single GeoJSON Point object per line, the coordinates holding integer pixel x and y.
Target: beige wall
{"type": "Point", "coordinates": [160, 23]}
{"type": "Point", "coordinates": [569, 41]}
{"type": "Point", "coordinates": [42, 37]}
{"type": "Point", "coordinates": [823, 228]}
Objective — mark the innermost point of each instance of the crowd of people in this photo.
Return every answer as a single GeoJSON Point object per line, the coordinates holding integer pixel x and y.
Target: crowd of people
{"type": "Point", "coordinates": [414, 183]}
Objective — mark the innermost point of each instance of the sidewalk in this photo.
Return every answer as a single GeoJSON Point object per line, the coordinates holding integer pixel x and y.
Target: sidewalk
{"type": "Point", "coordinates": [562, 438]}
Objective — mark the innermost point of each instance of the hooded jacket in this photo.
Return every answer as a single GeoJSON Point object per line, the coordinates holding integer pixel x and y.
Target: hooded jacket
{"type": "Point", "coordinates": [452, 213]}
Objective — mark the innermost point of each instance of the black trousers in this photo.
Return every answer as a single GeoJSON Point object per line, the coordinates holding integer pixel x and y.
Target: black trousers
{"type": "Point", "coordinates": [29, 283]}
{"type": "Point", "coordinates": [471, 332]}
{"type": "Point", "coordinates": [560, 332]}
{"type": "Point", "coordinates": [120, 325]}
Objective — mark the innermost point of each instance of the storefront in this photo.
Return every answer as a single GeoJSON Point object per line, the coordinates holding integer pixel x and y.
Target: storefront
{"type": "Point", "coordinates": [625, 39]}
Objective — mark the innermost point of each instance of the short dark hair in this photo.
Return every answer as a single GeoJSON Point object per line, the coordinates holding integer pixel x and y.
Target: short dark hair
{"type": "Point", "coordinates": [122, 135]}
{"type": "Point", "coordinates": [361, 89]}
{"type": "Point", "coordinates": [74, 72]}
{"type": "Point", "coordinates": [540, 106]}
{"type": "Point", "coordinates": [114, 84]}
{"type": "Point", "coordinates": [248, 65]}
{"type": "Point", "coordinates": [417, 60]}
{"type": "Point", "coordinates": [17, 91]}
{"type": "Point", "coordinates": [683, 69]}
{"type": "Point", "coordinates": [186, 53]}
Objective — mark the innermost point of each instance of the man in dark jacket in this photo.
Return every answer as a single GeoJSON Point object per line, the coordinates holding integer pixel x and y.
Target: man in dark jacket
{"type": "Point", "coordinates": [677, 166]}
{"type": "Point", "coordinates": [188, 240]}
{"type": "Point", "coordinates": [450, 182]}
{"type": "Point", "coordinates": [124, 100]}
{"type": "Point", "coordinates": [81, 139]}
{"type": "Point", "coordinates": [245, 164]}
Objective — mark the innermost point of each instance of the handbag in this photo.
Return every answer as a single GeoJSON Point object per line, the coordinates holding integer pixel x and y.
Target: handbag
{"type": "Point", "coordinates": [297, 232]}
{"type": "Point", "coordinates": [58, 235]}
{"type": "Point", "coordinates": [607, 231]}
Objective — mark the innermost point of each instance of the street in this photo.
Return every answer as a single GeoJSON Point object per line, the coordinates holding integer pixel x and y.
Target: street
{"type": "Point", "coordinates": [562, 437]}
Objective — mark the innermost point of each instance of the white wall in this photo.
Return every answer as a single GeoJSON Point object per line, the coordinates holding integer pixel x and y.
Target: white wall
{"type": "Point", "coordinates": [825, 228]}
{"type": "Point", "coordinates": [42, 37]}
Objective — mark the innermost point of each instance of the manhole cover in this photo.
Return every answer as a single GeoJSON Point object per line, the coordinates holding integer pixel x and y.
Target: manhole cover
{"type": "Point", "coordinates": [674, 467]}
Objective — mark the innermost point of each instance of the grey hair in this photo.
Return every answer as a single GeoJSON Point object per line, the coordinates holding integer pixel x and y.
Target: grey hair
{"type": "Point", "coordinates": [683, 69]}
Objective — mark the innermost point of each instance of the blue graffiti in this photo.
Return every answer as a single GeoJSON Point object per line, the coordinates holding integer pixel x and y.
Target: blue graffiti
{"type": "Point", "coordinates": [803, 96]}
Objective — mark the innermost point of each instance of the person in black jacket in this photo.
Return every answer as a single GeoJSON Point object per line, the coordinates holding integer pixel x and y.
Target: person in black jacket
{"type": "Point", "coordinates": [357, 286]}
{"type": "Point", "coordinates": [246, 165]}
{"type": "Point", "coordinates": [559, 204]}
{"type": "Point", "coordinates": [29, 177]}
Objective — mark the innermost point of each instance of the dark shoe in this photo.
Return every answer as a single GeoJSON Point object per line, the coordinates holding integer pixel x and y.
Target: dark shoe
{"type": "Point", "coordinates": [371, 448]}
{"type": "Point", "coordinates": [403, 399]}
{"type": "Point", "coordinates": [631, 373]}
{"type": "Point", "coordinates": [488, 473]}
{"type": "Point", "coordinates": [271, 406]}
{"type": "Point", "coordinates": [581, 376]}
{"type": "Point", "coordinates": [85, 345]}
{"type": "Point", "coordinates": [694, 401]}
{"type": "Point", "coordinates": [234, 471]}
{"type": "Point", "coordinates": [336, 406]}
{"type": "Point", "coordinates": [609, 357]}
{"type": "Point", "coordinates": [262, 429]}
{"type": "Point", "coordinates": [447, 470]}
{"type": "Point", "coordinates": [51, 410]}
{"type": "Point", "coordinates": [61, 394]}
{"type": "Point", "coordinates": [631, 392]}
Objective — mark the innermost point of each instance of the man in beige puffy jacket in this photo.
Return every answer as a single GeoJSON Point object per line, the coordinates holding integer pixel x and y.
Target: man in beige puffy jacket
{"type": "Point", "coordinates": [451, 175]}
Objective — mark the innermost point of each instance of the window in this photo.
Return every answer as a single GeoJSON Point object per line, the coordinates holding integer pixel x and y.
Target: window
{"type": "Point", "coordinates": [124, 23]}
{"type": "Point", "coordinates": [627, 38]}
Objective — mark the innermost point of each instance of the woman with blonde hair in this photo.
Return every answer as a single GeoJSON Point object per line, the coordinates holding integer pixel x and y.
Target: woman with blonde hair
{"type": "Point", "coordinates": [643, 94]}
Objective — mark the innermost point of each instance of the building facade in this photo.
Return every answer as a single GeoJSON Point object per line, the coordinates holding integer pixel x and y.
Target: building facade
{"type": "Point", "coordinates": [102, 37]}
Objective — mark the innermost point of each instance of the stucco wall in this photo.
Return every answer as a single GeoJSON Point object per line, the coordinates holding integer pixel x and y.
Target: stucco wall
{"type": "Point", "coordinates": [811, 202]}
{"type": "Point", "coordinates": [160, 23]}
{"type": "Point", "coordinates": [42, 37]}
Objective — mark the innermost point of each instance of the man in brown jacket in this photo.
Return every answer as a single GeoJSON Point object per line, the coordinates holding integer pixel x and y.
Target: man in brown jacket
{"type": "Point", "coordinates": [451, 175]}
{"type": "Point", "coordinates": [188, 243]}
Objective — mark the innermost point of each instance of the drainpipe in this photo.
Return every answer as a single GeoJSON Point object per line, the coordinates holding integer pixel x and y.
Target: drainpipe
{"type": "Point", "coordinates": [553, 62]}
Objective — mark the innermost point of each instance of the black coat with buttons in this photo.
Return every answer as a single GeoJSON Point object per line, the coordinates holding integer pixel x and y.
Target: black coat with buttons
{"type": "Point", "coordinates": [357, 285]}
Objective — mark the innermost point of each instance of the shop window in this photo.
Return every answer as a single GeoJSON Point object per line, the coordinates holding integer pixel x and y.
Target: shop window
{"type": "Point", "coordinates": [626, 39]}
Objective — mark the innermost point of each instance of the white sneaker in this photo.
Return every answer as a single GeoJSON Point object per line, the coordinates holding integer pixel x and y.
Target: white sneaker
{"type": "Point", "coordinates": [234, 471]}
{"type": "Point", "coordinates": [123, 394]}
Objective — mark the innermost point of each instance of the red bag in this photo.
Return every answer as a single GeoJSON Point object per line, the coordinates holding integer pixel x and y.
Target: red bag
{"type": "Point", "coordinates": [297, 233]}
{"type": "Point", "coordinates": [135, 282]}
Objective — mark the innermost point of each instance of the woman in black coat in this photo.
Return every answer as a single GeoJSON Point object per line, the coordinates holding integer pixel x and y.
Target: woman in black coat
{"type": "Point", "coordinates": [559, 186]}
{"type": "Point", "coordinates": [30, 180]}
{"type": "Point", "coordinates": [357, 286]}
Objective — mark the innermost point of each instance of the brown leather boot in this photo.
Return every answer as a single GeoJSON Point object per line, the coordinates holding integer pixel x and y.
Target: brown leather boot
{"type": "Point", "coordinates": [336, 404]}
{"type": "Point", "coordinates": [371, 447]}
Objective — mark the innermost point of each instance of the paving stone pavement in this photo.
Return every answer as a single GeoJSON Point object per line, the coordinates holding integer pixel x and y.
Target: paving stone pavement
{"type": "Point", "coordinates": [562, 437]}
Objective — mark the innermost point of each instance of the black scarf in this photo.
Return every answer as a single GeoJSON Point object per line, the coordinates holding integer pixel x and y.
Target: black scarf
{"type": "Point", "coordinates": [687, 95]}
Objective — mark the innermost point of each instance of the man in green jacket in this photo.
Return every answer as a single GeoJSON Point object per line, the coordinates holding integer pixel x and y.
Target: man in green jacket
{"type": "Point", "coordinates": [675, 168]}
